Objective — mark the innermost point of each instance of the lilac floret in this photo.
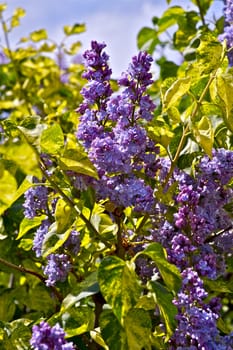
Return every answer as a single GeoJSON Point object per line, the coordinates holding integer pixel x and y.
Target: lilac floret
{"type": "Point", "coordinates": [228, 29]}
{"type": "Point", "coordinates": [39, 237]}
{"type": "Point", "coordinates": [45, 337]}
{"type": "Point", "coordinates": [35, 201]}
{"type": "Point", "coordinates": [73, 242]}
{"type": "Point", "coordinates": [57, 268]}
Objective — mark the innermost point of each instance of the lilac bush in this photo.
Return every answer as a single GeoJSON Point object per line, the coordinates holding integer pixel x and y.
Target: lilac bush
{"type": "Point", "coordinates": [116, 195]}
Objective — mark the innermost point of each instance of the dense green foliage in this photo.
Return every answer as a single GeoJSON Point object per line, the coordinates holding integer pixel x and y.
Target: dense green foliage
{"type": "Point", "coordinates": [104, 303]}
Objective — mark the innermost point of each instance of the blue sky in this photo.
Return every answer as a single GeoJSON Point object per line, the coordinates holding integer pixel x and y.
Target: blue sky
{"type": "Point", "coordinates": [116, 22]}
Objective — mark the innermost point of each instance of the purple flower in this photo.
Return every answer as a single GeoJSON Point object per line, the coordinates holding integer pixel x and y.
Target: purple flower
{"type": "Point", "coordinates": [228, 29]}
{"type": "Point", "coordinates": [39, 237]}
{"type": "Point", "coordinates": [45, 337]}
{"type": "Point", "coordinates": [72, 244]}
{"type": "Point", "coordinates": [228, 11]}
{"type": "Point", "coordinates": [57, 268]}
{"type": "Point", "coordinates": [107, 156]}
{"type": "Point", "coordinates": [35, 201]}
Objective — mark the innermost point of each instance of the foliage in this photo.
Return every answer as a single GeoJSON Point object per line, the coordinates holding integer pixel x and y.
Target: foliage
{"type": "Point", "coordinates": [116, 214]}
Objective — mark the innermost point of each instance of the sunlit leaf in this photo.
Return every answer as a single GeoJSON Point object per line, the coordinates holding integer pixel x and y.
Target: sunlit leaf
{"type": "Point", "coordinates": [84, 289]}
{"type": "Point", "coordinates": [137, 324]}
{"type": "Point", "coordinates": [38, 35]}
{"type": "Point", "coordinates": [178, 89]}
{"type": "Point", "coordinates": [119, 285]}
{"type": "Point", "coordinates": [27, 224]}
{"type": "Point", "coordinates": [204, 134]}
{"type": "Point", "coordinates": [8, 187]}
{"type": "Point", "coordinates": [64, 216]}
{"type": "Point", "coordinates": [75, 29]}
{"type": "Point", "coordinates": [52, 139]}
{"type": "Point", "coordinates": [165, 304]}
{"type": "Point", "coordinates": [112, 331]}
{"type": "Point", "coordinates": [168, 271]}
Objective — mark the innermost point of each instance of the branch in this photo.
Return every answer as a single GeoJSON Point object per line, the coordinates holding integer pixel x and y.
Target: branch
{"type": "Point", "coordinates": [201, 12]}
{"type": "Point", "coordinates": [31, 272]}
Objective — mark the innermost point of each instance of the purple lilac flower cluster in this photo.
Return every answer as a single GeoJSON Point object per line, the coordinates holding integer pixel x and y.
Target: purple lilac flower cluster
{"type": "Point", "coordinates": [111, 130]}
{"type": "Point", "coordinates": [195, 245]}
{"type": "Point", "coordinates": [36, 199]}
{"type": "Point", "coordinates": [228, 29]}
{"type": "Point", "coordinates": [36, 203]}
{"type": "Point", "coordinates": [57, 268]}
{"type": "Point", "coordinates": [45, 337]}
{"type": "Point", "coordinates": [39, 237]}
{"type": "Point", "coordinates": [59, 264]}
{"type": "Point", "coordinates": [197, 328]}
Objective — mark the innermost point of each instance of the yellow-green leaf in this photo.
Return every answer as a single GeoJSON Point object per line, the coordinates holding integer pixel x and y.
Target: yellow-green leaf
{"type": "Point", "coordinates": [83, 166]}
{"type": "Point", "coordinates": [52, 139]}
{"type": "Point", "coordinates": [178, 89]}
{"type": "Point", "coordinates": [8, 187]}
{"type": "Point", "coordinates": [63, 216]}
{"type": "Point", "coordinates": [27, 224]}
{"type": "Point", "coordinates": [75, 29]}
{"type": "Point", "coordinates": [204, 134]}
{"type": "Point", "coordinates": [38, 35]}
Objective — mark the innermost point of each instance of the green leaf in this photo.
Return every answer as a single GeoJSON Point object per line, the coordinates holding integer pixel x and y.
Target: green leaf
{"type": "Point", "coordinates": [3, 7]}
{"type": "Point", "coordinates": [52, 139]}
{"type": "Point", "coordinates": [64, 216]}
{"type": "Point", "coordinates": [78, 320]}
{"type": "Point", "coordinates": [18, 13]}
{"type": "Point", "coordinates": [7, 306]}
{"type": "Point", "coordinates": [23, 155]}
{"type": "Point", "coordinates": [38, 35]}
{"type": "Point", "coordinates": [178, 89]}
{"type": "Point", "coordinates": [53, 240]}
{"type": "Point", "coordinates": [204, 134]}
{"type": "Point", "coordinates": [119, 285]}
{"type": "Point", "coordinates": [170, 17]}
{"type": "Point", "coordinates": [169, 272]}
{"type": "Point", "coordinates": [96, 336]}
{"type": "Point", "coordinates": [137, 324]}
{"type": "Point", "coordinates": [27, 224]}
{"type": "Point", "coordinates": [74, 48]}
{"type": "Point", "coordinates": [75, 29]}
{"type": "Point", "coordinates": [147, 39]}
{"type": "Point", "coordinates": [219, 285]}
{"type": "Point", "coordinates": [209, 53]}
{"type": "Point", "coordinates": [165, 304]}
{"type": "Point", "coordinates": [203, 5]}
{"type": "Point", "coordinates": [146, 302]}
{"type": "Point", "coordinates": [112, 331]}
{"type": "Point", "coordinates": [25, 185]}
{"type": "Point", "coordinates": [83, 290]}
{"type": "Point", "coordinates": [173, 114]}
{"type": "Point", "coordinates": [8, 187]}
{"type": "Point", "coordinates": [39, 299]}
{"type": "Point", "coordinates": [224, 86]}
{"type": "Point", "coordinates": [82, 166]}
{"type": "Point", "coordinates": [18, 334]}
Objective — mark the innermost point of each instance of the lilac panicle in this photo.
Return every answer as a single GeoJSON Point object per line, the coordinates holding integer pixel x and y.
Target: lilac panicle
{"type": "Point", "coordinates": [111, 131]}
{"type": "Point", "coordinates": [228, 29]}
{"type": "Point", "coordinates": [36, 199]}
{"type": "Point", "coordinates": [45, 337]}
{"type": "Point", "coordinates": [39, 237]}
{"type": "Point", "coordinates": [57, 268]}
{"type": "Point", "coordinates": [197, 320]}
{"type": "Point", "coordinates": [72, 244]}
